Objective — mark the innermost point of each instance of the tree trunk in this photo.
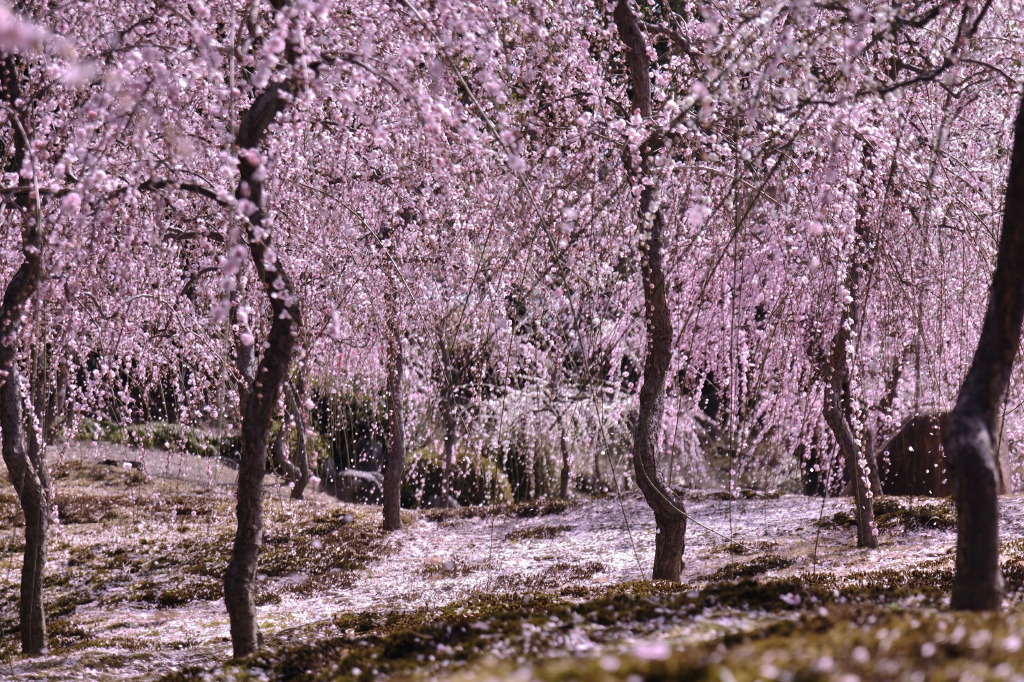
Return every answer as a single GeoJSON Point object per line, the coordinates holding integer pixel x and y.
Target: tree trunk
{"type": "Point", "coordinates": [261, 399]}
{"type": "Point", "coordinates": [282, 462]}
{"type": "Point", "coordinates": [971, 438]}
{"type": "Point", "coordinates": [566, 476]}
{"type": "Point", "coordinates": [669, 511]}
{"type": "Point", "coordinates": [22, 448]}
{"type": "Point", "coordinates": [27, 472]}
{"type": "Point", "coordinates": [851, 452]}
{"type": "Point", "coordinates": [301, 450]}
{"type": "Point", "coordinates": [450, 425]}
{"type": "Point", "coordinates": [395, 464]}
{"type": "Point", "coordinates": [839, 409]}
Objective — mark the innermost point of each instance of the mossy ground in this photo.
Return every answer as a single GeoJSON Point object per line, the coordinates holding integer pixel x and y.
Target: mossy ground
{"type": "Point", "coordinates": [762, 616]}
{"type": "Point", "coordinates": [133, 545]}
{"type": "Point", "coordinates": [900, 513]}
{"type": "Point", "coordinates": [878, 625]}
{"type": "Point", "coordinates": [524, 510]}
{"type": "Point", "coordinates": [134, 581]}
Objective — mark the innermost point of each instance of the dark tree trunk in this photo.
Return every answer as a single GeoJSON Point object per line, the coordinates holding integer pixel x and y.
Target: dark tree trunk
{"type": "Point", "coordinates": [22, 447]}
{"type": "Point", "coordinates": [566, 476]}
{"type": "Point", "coordinates": [301, 454]}
{"type": "Point", "coordinates": [838, 408]}
{"type": "Point", "coordinates": [261, 399]}
{"type": "Point", "coordinates": [27, 472]}
{"type": "Point", "coordinates": [395, 463]}
{"type": "Point", "coordinates": [449, 423]}
{"type": "Point", "coordinates": [669, 512]}
{"type": "Point", "coordinates": [851, 452]}
{"type": "Point", "coordinates": [56, 401]}
{"type": "Point", "coordinates": [278, 450]}
{"type": "Point", "coordinates": [971, 439]}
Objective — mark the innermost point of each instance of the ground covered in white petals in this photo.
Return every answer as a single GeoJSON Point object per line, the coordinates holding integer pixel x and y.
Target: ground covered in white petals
{"type": "Point", "coordinates": [773, 586]}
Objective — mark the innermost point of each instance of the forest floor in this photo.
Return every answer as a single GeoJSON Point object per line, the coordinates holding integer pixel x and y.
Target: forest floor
{"type": "Point", "coordinates": [773, 587]}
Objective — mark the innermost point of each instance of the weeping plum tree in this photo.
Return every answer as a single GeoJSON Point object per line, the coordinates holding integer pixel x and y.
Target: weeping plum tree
{"type": "Point", "coordinates": [559, 148]}
{"type": "Point", "coordinates": [260, 400]}
{"type": "Point", "coordinates": [669, 512]}
{"type": "Point", "coordinates": [839, 411]}
{"type": "Point", "coordinates": [22, 446]}
{"type": "Point", "coordinates": [971, 438]}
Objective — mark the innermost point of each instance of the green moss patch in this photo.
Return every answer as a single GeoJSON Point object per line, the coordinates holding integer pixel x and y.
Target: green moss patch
{"type": "Point", "coordinates": [762, 564]}
{"type": "Point", "coordinates": [127, 541]}
{"type": "Point", "coordinates": [693, 495]}
{"type": "Point", "coordinates": [523, 510]}
{"type": "Point", "coordinates": [792, 608]}
{"type": "Point", "coordinates": [543, 532]}
{"type": "Point", "coordinates": [900, 514]}
{"type": "Point", "coordinates": [869, 645]}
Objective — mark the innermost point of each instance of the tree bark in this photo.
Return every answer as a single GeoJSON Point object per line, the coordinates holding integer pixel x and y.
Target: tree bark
{"type": "Point", "coordinates": [838, 408]}
{"type": "Point", "coordinates": [838, 413]}
{"type": "Point", "coordinates": [970, 441]}
{"type": "Point", "coordinates": [261, 399]}
{"type": "Point", "coordinates": [27, 471]}
{"type": "Point", "coordinates": [395, 464]}
{"type": "Point", "coordinates": [281, 459]}
{"type": "Point", "coordinates": [669, 511]}
{"type": "Point", "coordinates": [23, 448]}
{"type": "Point", "coordinates": [449, 423]}
{"type": "Point", "coordinates": [851, 452]}
{"type": "Point", "coordinates": [301, 453]}
{"type": "Point", "coordinates": [566, 475]}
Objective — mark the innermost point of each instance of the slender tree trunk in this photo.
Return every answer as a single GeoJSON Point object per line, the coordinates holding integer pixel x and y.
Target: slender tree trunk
{"type": "Point", "coordinates": [261, 399]}
{"type": "Point", "coordinates": [301, 454]}
{"type": "Point", "coordinates": [448, 465]}
{"type": "Point", "coordinates": [970, 440]}
{"type": "Point", "coordinates": [669, 511]}
{"type": "Point", "coordinates": [27, 472]}
{"type": "Point", "coordinates": [852, 452]}
{"type": "Point", "coordinates": [449, 423]}
{"type": "Point", "coordinates": [395, 464]}
{"type": "Point", "coordinates": [566, 476]}
{"type": "Point", "coordinates": [838, 413]}
{"type": "Point", "coordinates": [839, 409]}
{"type": "Point", "coordinates": [23, 448]}
{"type": "Point", "coordinates": [55, 403]}
{"type": "Point", "coordinates": [282, 462]}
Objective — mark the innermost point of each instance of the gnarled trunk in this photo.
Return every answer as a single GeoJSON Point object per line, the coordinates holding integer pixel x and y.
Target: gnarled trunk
{"type": "Point", "coordinates": [23, 448]}
{"type": "Point", "coordinates": [669, 512]}
{"type": "Point", "coordinates": [27, 472]}
{"type": "Point", "coordinates": [970, 441]}
{"type": "Point", "coordinates": [852, 453]}
{"type": "Point", "coordinates": [261, 399]}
